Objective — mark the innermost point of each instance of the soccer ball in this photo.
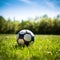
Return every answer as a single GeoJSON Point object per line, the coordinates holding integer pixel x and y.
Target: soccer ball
{"type": "Point", "coordinates": [25, 37]}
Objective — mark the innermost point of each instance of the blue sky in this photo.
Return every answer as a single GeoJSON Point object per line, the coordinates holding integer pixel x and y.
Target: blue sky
{"type": "Point", "coordinates": [23, 9]}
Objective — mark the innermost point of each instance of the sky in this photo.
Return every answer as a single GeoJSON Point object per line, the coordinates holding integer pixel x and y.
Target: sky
{"type": "Point", "coordinates": [24, 9]}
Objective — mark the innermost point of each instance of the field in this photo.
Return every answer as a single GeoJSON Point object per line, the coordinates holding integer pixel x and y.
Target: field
{"type": "Point", "coordinates": [45, 47]}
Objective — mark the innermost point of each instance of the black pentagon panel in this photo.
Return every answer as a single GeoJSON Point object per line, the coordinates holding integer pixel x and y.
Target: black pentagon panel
{"type": "Point", "coordinates": [27, 43]}
{"type": "Point", "coordinates": [21, 36]}
{"type": "Point", "coordinates": [32, 39]}
{"type": "Point", "coordinates": [27, 33]}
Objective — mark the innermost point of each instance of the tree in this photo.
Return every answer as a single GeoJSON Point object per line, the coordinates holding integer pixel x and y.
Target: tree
{"type": "Point", "coordinates": [2, 24]}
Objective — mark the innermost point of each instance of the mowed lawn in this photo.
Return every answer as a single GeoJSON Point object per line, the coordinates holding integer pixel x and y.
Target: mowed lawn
{"type": "Point", "coordinates": [45, 47]}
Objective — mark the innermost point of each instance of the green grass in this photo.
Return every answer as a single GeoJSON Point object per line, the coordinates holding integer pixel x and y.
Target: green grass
{"type": "Point", "coordinates": [45, 47]}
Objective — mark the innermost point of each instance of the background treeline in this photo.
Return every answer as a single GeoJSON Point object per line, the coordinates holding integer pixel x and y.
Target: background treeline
{"type": "Point", "coordinates": [40, 25]}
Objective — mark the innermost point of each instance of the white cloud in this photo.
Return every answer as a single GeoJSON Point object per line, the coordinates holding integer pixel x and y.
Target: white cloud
{"type": "Point", "coordinates": [33, 3]}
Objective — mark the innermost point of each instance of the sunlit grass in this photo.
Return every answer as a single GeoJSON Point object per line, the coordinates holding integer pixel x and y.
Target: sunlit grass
{"type": "Point", "coordinates": [45, 47]}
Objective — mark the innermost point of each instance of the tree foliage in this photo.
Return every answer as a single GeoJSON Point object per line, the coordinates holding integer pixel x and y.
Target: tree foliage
{"type": "Point", "coordinates": [43, 25]}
